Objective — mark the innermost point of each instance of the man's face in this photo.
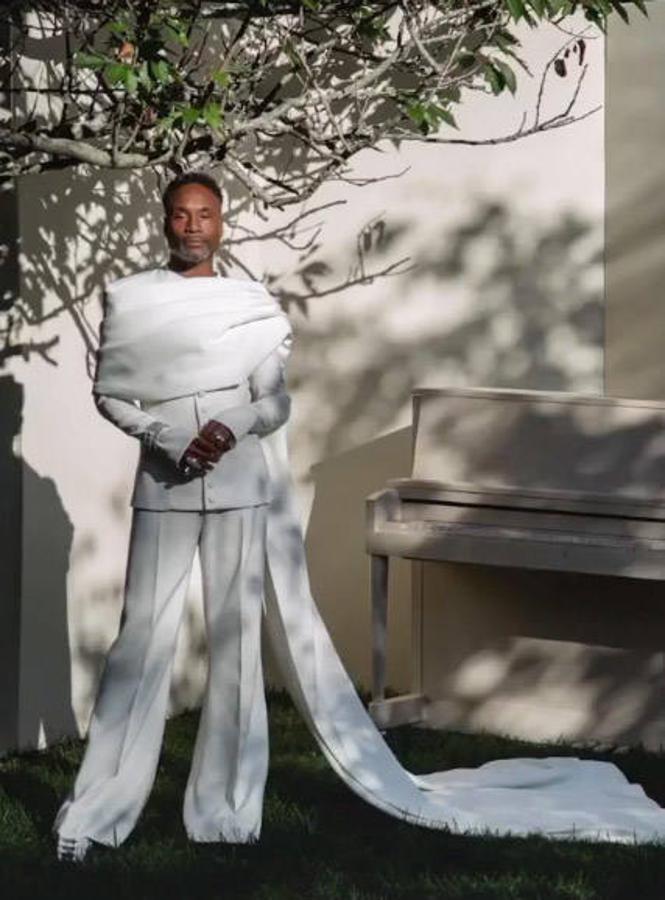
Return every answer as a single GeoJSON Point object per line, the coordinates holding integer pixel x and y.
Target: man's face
{"type": "Point", "coordinates": [193, 227]}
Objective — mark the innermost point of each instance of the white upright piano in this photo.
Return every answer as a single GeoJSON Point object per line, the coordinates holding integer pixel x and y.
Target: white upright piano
{"type": "Point", "coordinates": [539, 480]}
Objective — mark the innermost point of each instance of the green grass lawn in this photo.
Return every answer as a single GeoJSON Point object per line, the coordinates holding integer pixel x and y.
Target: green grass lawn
{"type": "Point", "coordinates": [319, 840]}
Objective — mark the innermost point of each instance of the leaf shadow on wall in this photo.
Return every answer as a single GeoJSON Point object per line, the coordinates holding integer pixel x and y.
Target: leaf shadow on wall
{"type": "Point", "coordinates": [538, 277]}
{"type": "Point", "coordinates": [530, 316]}
{"type": "Point", "coordinates": [384, 368]}
{"type": "Point", "coordinates": [79, 231]}
{"type": "Point", "coordinates": [534, 320]}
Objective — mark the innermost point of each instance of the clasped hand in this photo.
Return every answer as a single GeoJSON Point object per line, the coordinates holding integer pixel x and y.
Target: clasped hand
{"type": "Point", "coordinates": [205, 450]}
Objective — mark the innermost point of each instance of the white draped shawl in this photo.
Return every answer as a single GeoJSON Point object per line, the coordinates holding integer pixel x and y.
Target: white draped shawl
{"type": "Point", "coordinates": [167, 337]}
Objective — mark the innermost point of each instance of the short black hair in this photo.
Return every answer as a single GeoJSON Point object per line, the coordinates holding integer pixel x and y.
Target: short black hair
{"type": "Point", "coordinates": [189, 178]}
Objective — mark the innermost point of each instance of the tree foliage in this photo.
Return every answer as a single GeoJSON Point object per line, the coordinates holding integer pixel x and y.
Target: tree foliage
{"type": "Point", "coordinates": [281, 93]}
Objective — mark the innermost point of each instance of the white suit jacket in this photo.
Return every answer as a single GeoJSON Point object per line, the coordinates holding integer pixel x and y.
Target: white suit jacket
{"type": "Point", "coordinates": [256, 406]}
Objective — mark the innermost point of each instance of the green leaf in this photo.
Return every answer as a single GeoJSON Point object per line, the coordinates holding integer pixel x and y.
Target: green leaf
{"type": "Point", "coordinates": [508, 74]}
{"type": "Point", "coordinates": [170, 119]}
{"type": "Point", "coordinates": [451, 94]}
{"type": "Point", "coordinates": [144, 75]}
{"type": "Point", "coordinates": [161, 71]}
{"type": "Point", "coordinates": [446, 116]}
{"type": "Point", "coordinates": [221, 77]}
{"type": "Point", "coordinates": [212, 113]}
{"type": "Point", "coordinates": [428, 116]}
{"type": "Point", "coordinates": [618, 6]}
{"type": "Point", "coordinates": [466, 60]}
{"type": "Point", "coordinates": [115, 72]}
{"type": "Point", "coordinates": [416, 111]}
{"type": "Point", "coordinates": [191, 114]}
{"type": "Point", "coordinates": [179, 34]}
{"type": "Point", "coordinates": [505, 39]}
{"type": "Point", "coordinates": [516, 8]}
{"type": "Point", "coordinates": [495, 78]}
{"type": "Point", "coordinates": [131, 80]}
{"type": "Point", "coordinates": [539, 6]}
{"type": "Point", "coordinates": [120, 27]}
{"type": "Point", "coordinates": [292, 53]}
{"type": "Point", "coordinates": [89, 60]}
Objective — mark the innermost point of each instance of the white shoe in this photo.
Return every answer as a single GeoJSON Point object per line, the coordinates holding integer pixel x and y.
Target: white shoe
{"type": "Point", "coordinates": [73, 849]}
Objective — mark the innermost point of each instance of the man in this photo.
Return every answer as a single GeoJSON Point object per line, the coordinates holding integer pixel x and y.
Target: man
{"type": "Point", "coordinates": [200, 482]}
{"type": "Point", "coordinates": [204, 356]}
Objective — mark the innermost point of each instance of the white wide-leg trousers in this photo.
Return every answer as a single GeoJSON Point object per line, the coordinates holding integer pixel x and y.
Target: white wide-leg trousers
{"type": "Point", "coordinates": [224, 794]}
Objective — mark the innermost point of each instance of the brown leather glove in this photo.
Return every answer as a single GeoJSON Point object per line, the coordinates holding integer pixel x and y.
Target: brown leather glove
{"type": "Point", "coordinates": [205, 450]}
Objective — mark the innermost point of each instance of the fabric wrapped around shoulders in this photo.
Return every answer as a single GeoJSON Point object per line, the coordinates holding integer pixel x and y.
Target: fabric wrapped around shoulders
{"type": "Point", "coordinates": [164, 338]}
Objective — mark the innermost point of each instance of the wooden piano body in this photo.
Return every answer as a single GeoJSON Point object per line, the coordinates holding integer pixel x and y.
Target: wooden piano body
{"type": "Point", "coordinates": [527, 479]}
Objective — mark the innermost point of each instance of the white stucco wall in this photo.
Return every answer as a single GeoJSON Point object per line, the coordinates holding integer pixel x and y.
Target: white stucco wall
{"type": "Point", "coordinates": [505, 288]}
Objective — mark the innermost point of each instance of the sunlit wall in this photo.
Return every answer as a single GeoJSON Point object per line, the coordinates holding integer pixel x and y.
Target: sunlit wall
{"type": "Point", "coordinates": [458, 264]}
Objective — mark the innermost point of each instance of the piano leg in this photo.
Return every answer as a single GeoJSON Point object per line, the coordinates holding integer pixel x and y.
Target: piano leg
{"type": "Point", "coordinates": [379, 594]}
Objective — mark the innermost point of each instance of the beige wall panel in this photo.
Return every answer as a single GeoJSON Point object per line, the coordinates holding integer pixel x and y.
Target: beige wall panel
{"type": "Point", "coordinates": [635, 261]}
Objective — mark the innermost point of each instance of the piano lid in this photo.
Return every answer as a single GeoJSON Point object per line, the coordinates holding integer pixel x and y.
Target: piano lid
{"type": "Point", "coordinates": [582, 453]}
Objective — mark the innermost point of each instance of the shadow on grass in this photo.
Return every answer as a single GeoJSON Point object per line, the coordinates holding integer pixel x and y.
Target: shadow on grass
{"type": "Point", "coordinates": [319, 840]}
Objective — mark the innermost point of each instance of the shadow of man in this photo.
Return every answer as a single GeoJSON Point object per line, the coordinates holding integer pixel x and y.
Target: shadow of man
{"type": "Point", "coordinates": [35, 537]}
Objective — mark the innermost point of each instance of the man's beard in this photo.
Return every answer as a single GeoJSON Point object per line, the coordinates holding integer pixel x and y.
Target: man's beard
{"type": "Point", "coordinates": [190, 254]}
